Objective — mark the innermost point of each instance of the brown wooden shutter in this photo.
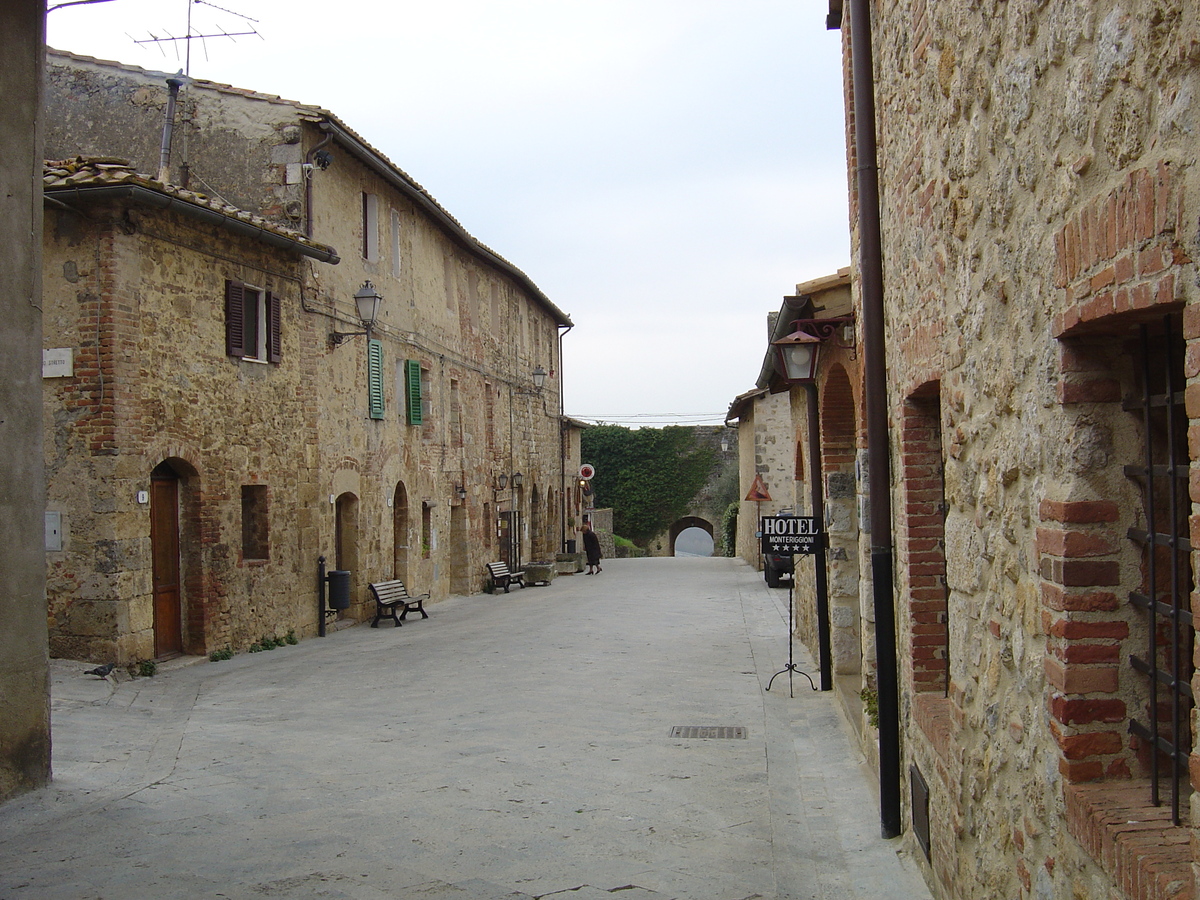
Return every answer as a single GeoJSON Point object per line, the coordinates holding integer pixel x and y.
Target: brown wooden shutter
{"type": "Point", "coordinates": [235, 324]}
{"type": "Point", "coordinates": [274, 329]}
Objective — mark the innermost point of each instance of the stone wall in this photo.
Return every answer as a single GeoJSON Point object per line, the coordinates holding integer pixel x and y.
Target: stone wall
{"type": "Point", "coordinates": [766, 448]}
{"type": "Point", "coordinates": [341, 472]}
{"type": "Point", "coordinates": [1040, 203]}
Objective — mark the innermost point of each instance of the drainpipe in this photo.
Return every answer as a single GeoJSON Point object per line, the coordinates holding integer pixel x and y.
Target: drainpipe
{"type": "Point", "coordinates": [562, 447]}
{"type": "Point", "coordinates": [878, 456]}
{"type": "Point", "coordinates": [824, 641]}
{"type": "Point", "coordinates": [174, 83]}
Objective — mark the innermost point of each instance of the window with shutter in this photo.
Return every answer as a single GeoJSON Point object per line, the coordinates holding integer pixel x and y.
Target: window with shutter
{"type": "Point", "coordinates": [412, 376]}
{"type": "Point", "coordinates": [252, 323]}
{"type": "Point", "coordinates": [375, 378]}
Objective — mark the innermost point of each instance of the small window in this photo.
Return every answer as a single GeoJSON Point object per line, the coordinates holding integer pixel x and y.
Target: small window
{"type": "Point", "coordinates": [397, 260]}
{"type": "Point", "coordinates": [456, 431]}
{"type": "Point", "coordinates": [370, 227]}
{"type": "Point", "coordinates": [426, 530]}
{"type": "Point", "coordinates": [252, 327]}
{"type": "Point", "coordinates": [448, 278]}
{"type": "Point", "coordinates": [255, 529]}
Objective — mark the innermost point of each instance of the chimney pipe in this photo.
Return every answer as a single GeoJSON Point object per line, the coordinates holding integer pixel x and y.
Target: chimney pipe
{"type": "Point", "coordinates": [174, 83]}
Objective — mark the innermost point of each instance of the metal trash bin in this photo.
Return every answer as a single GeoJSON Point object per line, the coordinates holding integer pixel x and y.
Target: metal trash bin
{"type": "Point", "coordinates": [339, 589]}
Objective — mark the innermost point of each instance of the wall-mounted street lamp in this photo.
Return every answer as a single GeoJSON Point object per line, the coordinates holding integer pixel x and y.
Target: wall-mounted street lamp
{"type": "Point", "coordinates": [366, 300]}
{"type": "Point", "coordinates": [796, 356]}
{"type": "Point", "coordinates": [461, 491]}
{"type": "Point", "coordinates": [539, 378]}
{"type": "Point", "coordinates": [501, 482]}
{"type": "Point", "coordinates": [518, 479]}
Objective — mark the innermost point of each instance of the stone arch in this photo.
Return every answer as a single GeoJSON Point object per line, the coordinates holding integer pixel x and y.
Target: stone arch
{"type": "Point", "coordinates": [401, 540]}
{"type": "Point", "coordinates": [688, 522]}
{"type": "Point", "coordinates": [345, 534]}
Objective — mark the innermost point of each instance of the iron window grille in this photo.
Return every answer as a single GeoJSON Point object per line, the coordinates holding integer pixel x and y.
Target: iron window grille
{"type": "Point", "coordinates": [1166, 562]}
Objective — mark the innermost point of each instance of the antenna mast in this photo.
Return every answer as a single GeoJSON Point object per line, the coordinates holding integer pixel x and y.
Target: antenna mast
{"type": "Point", "coordinates": [183, 78]}
{"type": "Point", "coordinates": [193, 35]}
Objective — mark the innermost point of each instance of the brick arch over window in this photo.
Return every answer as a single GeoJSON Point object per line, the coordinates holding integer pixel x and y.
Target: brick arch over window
{"type": "Point", "coordinates": [1119, 266]}
{"type": "Point", "coordinates": [838, 447]}
{"type": "Point", "coordinates": [921, 536]}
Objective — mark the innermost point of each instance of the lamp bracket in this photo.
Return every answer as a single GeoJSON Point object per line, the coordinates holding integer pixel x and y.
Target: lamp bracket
{"type": "Point", "coordinates": [825, 329]}
{"type": "Point", "coordinates": [338, 337]}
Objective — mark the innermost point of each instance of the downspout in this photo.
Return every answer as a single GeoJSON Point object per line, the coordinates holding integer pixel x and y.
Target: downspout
{"type": "Point", "coordinates": [824, 641]}
{"type": "Point", "coordinates": [562, 447]}
{"type": "Point", "coordinates": [878, 456]}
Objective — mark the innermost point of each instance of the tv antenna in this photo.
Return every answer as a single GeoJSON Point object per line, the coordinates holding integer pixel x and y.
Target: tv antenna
{"type": "Point", "coordinates": [195, 35]}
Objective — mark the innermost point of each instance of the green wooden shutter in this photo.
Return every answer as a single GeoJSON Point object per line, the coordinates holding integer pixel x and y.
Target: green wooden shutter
{"type": "Point", "coordinates": [412, 380]}
{"type": "Point", "coordinates": [375, 378]}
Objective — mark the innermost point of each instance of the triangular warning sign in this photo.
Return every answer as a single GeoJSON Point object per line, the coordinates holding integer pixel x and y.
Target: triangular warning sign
{"type": "Point", "coordinates": [758, 490]}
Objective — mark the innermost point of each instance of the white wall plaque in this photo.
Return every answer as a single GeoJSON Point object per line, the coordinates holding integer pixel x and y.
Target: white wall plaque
{"type": "Point", "coordinates": [58, 363]}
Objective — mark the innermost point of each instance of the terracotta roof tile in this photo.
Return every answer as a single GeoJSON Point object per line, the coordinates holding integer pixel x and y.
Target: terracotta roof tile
{"type": "Point", "coordinates": [96, 172]}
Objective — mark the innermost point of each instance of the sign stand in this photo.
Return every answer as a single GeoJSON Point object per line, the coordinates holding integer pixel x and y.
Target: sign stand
{"type": "Point", "coordinates": [790, 534]}
{"type": "Point", "coordinates": [791, 666]}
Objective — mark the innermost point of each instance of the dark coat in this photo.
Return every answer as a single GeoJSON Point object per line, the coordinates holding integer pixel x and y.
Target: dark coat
{"type": "Point", "coordinates": [591, 546]}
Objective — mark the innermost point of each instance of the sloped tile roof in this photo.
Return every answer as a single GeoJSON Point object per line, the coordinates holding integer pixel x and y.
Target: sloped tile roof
{"type": "Point", "coordinates": [64, 175]}
{"type": "Point", "coordinates": [371, 156]}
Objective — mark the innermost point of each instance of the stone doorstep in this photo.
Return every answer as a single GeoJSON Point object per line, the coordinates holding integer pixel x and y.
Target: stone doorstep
{"type": "Point", "coordinates": [1132, 840]}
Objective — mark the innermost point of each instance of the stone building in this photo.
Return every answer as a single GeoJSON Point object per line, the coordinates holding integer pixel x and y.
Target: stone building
{"type": "Point", "coordinates": [778, 420]}
{"type": "Point", "coordinates": [221, 391]}
{"type": "Point", "coordinates": [1039, 207]}
{"type": "Point", "coordinates": [24, 667]}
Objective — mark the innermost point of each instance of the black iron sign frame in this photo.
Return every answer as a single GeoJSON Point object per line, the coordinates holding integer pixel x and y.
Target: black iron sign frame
{"type": "Point", "coordinates": [790, 534]}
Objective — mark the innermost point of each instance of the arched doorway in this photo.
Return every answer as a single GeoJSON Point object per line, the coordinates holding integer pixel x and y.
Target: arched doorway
{"type": "Point", "coordinates": [346, 538]}
{"type": "Point", "coordinates": [174, 560]}
{"type": "Point", "coordinates": [536, 544]}
{"type": "Point", "coordinates": [400, 536]}
{"type": "Point", "coordinates": [166, 567]}
{"type": "Point", "coordinates": [687, 524]}
{"type": "Point", "coordinates": [460, 551]}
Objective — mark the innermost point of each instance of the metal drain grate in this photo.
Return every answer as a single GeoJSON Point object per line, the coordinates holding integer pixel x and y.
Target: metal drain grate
{"type": "Point", "coordinates": [708, 731]}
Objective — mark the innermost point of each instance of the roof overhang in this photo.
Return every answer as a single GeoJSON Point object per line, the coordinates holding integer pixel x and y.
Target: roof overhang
{"type": "Point", "coordinates": [145, 196]}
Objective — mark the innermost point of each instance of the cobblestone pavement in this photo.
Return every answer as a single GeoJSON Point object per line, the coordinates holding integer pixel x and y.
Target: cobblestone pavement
{"type": "Point", "coordinates": [509, 746]}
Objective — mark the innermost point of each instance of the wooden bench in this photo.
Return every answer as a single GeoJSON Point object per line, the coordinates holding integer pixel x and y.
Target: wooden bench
{"type": "Point", "coordinates": [393, 595]}
{"type": "Point", "coordinates": [501, 577]}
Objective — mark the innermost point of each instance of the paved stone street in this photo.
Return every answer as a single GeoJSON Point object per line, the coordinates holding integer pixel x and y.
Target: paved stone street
{"type": "Point", "coordinates": [509, 746]}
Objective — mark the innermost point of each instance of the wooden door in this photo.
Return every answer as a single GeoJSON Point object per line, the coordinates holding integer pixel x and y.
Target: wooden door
{"type": "Point", "coordinates": [164, 552]}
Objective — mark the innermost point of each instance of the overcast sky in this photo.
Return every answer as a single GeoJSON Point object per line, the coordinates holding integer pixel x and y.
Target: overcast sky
{"type": "Point", "coordinates": [664, 170]}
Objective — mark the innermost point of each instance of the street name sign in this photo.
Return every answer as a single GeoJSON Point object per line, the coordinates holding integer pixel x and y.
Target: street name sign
{"type": "Point", "coordinates": [789, 534]}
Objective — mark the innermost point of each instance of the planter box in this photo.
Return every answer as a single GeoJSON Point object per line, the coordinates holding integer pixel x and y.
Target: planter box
{"type": "Point", "coordinates": [568, 563]}
{"type": "Point", "coordinates": [540, 572]}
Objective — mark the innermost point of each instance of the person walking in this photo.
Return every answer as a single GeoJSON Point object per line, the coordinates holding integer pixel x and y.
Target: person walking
{"type": "Point", "coordinates": [591, 546]}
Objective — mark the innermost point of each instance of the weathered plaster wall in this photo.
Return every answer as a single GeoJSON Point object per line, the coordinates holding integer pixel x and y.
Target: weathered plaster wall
{"type": "Point", "coordinates": [766, 447]}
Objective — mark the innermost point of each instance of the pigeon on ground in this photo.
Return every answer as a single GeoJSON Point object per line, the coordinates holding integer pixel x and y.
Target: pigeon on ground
{"type": "Point", "coordinates": [102, 671]}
